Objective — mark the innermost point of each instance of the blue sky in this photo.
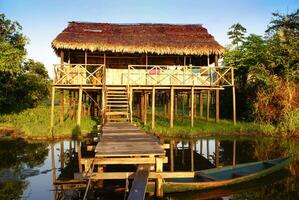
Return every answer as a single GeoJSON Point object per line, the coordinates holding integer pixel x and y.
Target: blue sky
{"type": "Point", "coordinates": [43, 20]}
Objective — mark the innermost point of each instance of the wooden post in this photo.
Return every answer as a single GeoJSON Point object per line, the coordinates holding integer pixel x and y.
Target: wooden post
{"type": "Point", "coordinates": [234, 153]}
{"type": "Point", "coordinates": [61, 107]}
{"type": "Point", "coordinates": [153, 106]}
{"type": "Point", "coordinates": [52, 109]}
{"type": "Point", "coordinates": [159, 182]}
{"type": "Point", "coordinates": [183, 108]}
{"type": "Point", "coordinates": [171, 106]}
{"type": "Point", "coordinates": [208, 105]}
{"type": "Point", "coordinates": [79, 107]}
{"type": "Point", "coordinates": [131, 104]}
{"type": "Point", "coordinates": [234, 105]}
{"type": "Point", "coordinates": [176, 105]}
{"type": "Point", "coordinates": [53, 163]}
{"type": "Point", "coordinates": [171, 156]}
{"type": "Point", "coordinates": [195, 104]}
{"type": "Point", "coordinates": [145, 107]}
{"type": "Point", "coordinates": [217, 106]}
{"type": "Point", "coordinates": [142, 106]}
{"type": "Point", "coordinates": [200, 147]}
{"type": "Point", "coordinates": [192, 107]}
{"type": "Point", "coordinates": [200, 105]}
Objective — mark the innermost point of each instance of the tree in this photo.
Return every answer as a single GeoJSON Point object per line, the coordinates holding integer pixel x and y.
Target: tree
{"type": "Point", "coordinates": [23, 83]}
{"type": "Point", "coordinates": [237, 33]}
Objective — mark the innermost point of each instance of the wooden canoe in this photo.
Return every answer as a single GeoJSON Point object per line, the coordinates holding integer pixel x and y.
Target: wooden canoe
{"type": "Point", "coordinates": [222, 177]}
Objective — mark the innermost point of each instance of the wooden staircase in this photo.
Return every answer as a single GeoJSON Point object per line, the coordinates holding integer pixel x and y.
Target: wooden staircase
{"type": "Point", "coordinates": [117, 104]}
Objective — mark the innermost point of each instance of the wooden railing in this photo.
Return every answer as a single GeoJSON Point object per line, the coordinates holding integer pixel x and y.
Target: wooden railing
{"type": "Point", "coordinates": [78, 74]}
{"type": "Point", "coordinates": [179, 75]}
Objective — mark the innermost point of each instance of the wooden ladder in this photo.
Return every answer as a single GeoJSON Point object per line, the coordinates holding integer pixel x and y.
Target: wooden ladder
{"type": "Point", "coordinates": [117, 104]}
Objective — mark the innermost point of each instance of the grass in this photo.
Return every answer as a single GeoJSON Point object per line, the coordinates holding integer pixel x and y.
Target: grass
{"type": "Point", "coordinates": [35, 123]}
{"type": "Point", "coordinates": [201, 127]}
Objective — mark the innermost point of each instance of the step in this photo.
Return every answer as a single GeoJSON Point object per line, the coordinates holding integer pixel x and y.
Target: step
{"type": "Point", "coordinates": [121, 106]}
{"type": "Point", "coordinates": [116, 88]}
{"type": "Point", "coordinates": [116, 113]}
{"type": "Point", "coordinates": [125, 102]}
{"type": "Point", "coordinates": [117, 92]}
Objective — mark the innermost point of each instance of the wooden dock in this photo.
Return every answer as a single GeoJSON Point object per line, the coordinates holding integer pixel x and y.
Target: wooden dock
{"type": "Point", "coordinates": [124, 143]}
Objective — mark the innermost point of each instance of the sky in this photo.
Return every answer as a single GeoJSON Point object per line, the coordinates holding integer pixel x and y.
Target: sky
{"type": "Point", "coordinates": [43, 20]}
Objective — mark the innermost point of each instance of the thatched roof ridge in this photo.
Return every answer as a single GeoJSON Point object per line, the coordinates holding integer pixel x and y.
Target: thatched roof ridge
{"type": "Point", "coordinates": [179, 39]}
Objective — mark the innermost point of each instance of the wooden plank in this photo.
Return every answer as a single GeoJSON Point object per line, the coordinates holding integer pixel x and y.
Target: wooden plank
{"type": "Point", "coordinates": [137, 191]}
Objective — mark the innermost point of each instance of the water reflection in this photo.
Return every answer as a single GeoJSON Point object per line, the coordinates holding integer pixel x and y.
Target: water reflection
{"type": "Point", "coordinates": [28, 170]}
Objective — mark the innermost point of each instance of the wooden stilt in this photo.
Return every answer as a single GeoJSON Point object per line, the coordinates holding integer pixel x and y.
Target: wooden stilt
{"type": "Point", "coordinates": [217, 106]}
{"type": "Point", "coordinates": [183, 153]}
{"type": "Point", "coordinates": [153, 106]}
{"type": "Point", "coordinates": [208, 105]}
{"type": "Point", "coordinates": [234, 105]}
{"type": "Point", "coordinates": [171, 106]}
{"type": "Point", "coordinates": [192, 107]}
{"type": "Point", "coordinates": [61, 107]}
{"type": "Point", "coordinates": [183, 108]}
{"type": "Point", "coordinates": [159, 180]}
{"type": "Point", "coordinates": [79, 156]}
{"type": "Point", "coordinates": [165, 105]}
{"type": "Point", "coordinates": [52, 109]}
{"type": "Point", "coordinates": [200, 147]}
{"type": "Point", "coordinates": [171, 156]}
{"type": "Point", "coordinates": [145, 107]}
{"type": "Point", "coordinates": [176, 106]}
{"type": "Point", "coordinates": [131, 104]}
{"type": "Point", "coordinates": [103, 106]}
{"type": "Point", "coordinates": [195, 104]}
{"type": "Point", "coordinates": [142, 102]}
{"type": "Point", "coordinates": [79, 107]}
{"type": "Point", "coordinates": [200, 105]}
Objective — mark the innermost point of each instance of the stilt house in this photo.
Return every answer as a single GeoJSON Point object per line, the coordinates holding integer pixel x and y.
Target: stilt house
{"type": "Point", "coordinates": [117, 71]}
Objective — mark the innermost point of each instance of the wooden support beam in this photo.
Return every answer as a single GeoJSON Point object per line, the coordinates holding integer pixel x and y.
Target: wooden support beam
{"type": "Point", "coordinates": [234, 105]}
{"type": "Point", "coordinates": [183, 108]}
{"type": "Point", "coordinates": [176, 106]}
{"type": "Point", "coordinates": [171, 156]}
{"type": "Point", "coordinates": [145, 107]}
{"type": "Point", "coordinates": [79, 156]}
{"type": "Point", "coordinates": [216, 153]}
{"type": "Point", "coordinates": [208, 105]}
{"type": "Point", "coordinates": [192, 107]}
{"type": "Point", "coordinates": [79, 107]}
{"type": "Point", "coordinates": [153, 106]}
{"type": "Point", "coordinates": [142, 100]}
{"type": "Point", "coordinates": [208, 150]}
{"type": "Point", "coordinates": [61, 107]}
{"type": "Point", "coordinates": [171, 106]}
{"type": "Point", "coordinates": [52, 109]}
{"type": "Point", "coordinates": [159, 180]}
{"type": "Point", "coordinates": [201, 105]}
{"type": "Point", "coordinates": [217, 106]}
{"type": "Point", "coordinates": [61, 155]}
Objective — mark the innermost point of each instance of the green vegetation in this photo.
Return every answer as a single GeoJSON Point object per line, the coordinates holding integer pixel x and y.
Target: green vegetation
{"type": "Point", "coordinates": [267, 74]}
{"type": "Point", "coordinates": [23, 83]}
{"type": "Point", "coordinates": [201, 127]}
{"type": "Point", "coordinates": [34, 123]}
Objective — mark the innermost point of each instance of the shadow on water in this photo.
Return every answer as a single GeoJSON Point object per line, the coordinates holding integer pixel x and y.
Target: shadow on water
{"type": "Point", "coordinates": [28, 169]}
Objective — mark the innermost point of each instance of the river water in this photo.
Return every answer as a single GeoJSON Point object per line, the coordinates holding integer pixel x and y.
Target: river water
{"type": "Point", "coordinates": [27, 169]}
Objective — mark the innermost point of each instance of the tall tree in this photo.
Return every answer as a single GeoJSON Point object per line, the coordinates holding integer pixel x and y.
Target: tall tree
{"type": "Point", "coordinates": [237, 33]}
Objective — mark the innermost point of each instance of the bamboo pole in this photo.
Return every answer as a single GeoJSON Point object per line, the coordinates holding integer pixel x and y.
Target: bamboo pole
{"type": "Point", "coordinates": [208, 105]}
{"type": "Point", "coordinates": [234, 105]}
{"type": "Point", "coordinates": [153, 106]}
{"type": "Point", "coordinates": [217, 106]}
{"type": "Point", "coordinates": [61, 107]}
{"type": "Point", "coordinates": [52, 109]}
{"type": "Point", "coordinates": [192, 107]}
{"type": "Point", "coordinates": [200, 105]}
{"type": "Point", "coordinates": [79, 107]}
{"type": "Point", "coordinates": [171, 106]}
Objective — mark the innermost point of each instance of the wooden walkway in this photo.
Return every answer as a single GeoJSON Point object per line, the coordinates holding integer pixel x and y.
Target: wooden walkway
{"type": "Point", "coordinates": [127, 140]}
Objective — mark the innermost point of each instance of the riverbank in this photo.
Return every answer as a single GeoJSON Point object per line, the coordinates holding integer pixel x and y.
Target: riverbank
{"type": "Point", "coordinates": [34, 124]}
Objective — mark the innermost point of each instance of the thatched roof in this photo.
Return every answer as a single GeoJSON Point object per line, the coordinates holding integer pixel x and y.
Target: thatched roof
{"type": "Point", "coordinates": [176, 39]}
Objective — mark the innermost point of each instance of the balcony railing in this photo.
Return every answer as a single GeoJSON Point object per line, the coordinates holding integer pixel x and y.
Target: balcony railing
{"type": "Point", "coordinates": [143, 75]}
{"type": "Point", "coordinates": [78, 74]}
{"type": "Point", "coordinates": [179, 75]}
